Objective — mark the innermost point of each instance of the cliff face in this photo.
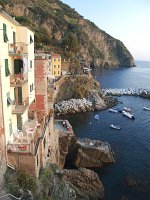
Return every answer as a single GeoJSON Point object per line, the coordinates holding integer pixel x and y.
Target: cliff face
{"type": "Point", "coordinates": [60, 28]}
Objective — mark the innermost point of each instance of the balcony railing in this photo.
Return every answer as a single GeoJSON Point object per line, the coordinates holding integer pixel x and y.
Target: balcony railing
{"type": "Point", "coordinates": [19, 148]}
{"type": "Point", "coordinates": [17, 48]}
{"type": "Point", "coordinates": [20, 107]}
{"type": "Point", "coordinates": [18, 79]}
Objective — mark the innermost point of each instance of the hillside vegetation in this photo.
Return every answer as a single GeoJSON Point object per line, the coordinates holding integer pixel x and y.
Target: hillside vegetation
{"type": "Point", "coordinates": [60, 28]}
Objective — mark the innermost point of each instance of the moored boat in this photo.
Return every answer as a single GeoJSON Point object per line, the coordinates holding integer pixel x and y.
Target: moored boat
{"type": "Point", "coordinates": [146, 108]}
{"type": "Point", "coordinates": [127, 114]}
{"type": "Point", "coordinates": [97, 117]}
{"type": "Point", "coordinates": [127, 109]}
{"type": "Point", "coordinates": [117, 127]}
{"type": "Point", "coordinates": [114, 110]}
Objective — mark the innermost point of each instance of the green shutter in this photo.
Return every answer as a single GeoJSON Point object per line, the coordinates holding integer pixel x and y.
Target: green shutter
{"type": "Point", "coordinates": [5, 33]}
{"type": "Point", "coordinates": [31, 40]}
{"type": "Point", "coordinates": [7, 72]}
{"type": "Point", "coordinates": [30, 63]}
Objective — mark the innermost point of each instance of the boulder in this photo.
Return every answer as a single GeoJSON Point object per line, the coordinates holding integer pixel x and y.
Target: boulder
{"type": "Point", "coordinates": [93, 154]}
{"type": "Point", "coordinates": [87, 182]}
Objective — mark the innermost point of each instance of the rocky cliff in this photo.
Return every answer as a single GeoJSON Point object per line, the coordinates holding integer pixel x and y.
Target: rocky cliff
{"type": "Point", "coordinates": [60, 28]}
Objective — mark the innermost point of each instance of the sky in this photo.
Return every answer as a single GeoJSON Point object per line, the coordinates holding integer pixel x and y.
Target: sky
{"type": "Point", "coordinates": [126, 20]}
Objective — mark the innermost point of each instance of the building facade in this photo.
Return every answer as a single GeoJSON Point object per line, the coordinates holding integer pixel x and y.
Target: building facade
{"type": "Point", "coordinates": [56, 64]}
{"type": "Point", "coordinates": [17, 73]}
{"type": "Point", "coordinates": [26, 112]}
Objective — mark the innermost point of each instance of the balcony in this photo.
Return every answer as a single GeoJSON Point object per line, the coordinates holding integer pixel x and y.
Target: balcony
{"type": "Point", "coordinates": [27, 139]}
{"type": "Point", "coordinates": [20, 107]}
{"type": "Point", "coordinates": [18, 79]}
{"type": "Point", "coordinates": [16, 49]}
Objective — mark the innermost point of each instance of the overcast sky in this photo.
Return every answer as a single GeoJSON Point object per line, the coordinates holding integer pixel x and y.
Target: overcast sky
{"type": "Point", "coordinates": [126, 20]}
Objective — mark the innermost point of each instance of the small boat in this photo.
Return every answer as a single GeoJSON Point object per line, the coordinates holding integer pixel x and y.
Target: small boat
{"type": "Point", "coordinates": [115, 126]}
{"type": "Point", "coordinates": [114, 110]}
{"type": "Point", "coordinates": [127, 109]}
{"type": "Point", "coordinates": [127, 114]}
{"type": "Point", "coordinates": [97, 117]}
{"type": "Point", "coordinates": [146, 108]}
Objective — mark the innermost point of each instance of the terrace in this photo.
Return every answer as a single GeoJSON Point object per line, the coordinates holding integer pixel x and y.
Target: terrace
{"type": "Point", "coordinates": [18, 79]}
{"type": "Point", "coordinates": [21, 107]}
{"type": "Point", "coordinates": [16, 49]}
{"type": "Point", "coordinates": [24, 141]}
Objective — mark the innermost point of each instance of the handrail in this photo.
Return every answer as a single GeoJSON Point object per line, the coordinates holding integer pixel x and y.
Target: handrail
{"type": "Point", "coordinates": [18, 78]}
{"type": "Point", "coordinates": [17, 48]}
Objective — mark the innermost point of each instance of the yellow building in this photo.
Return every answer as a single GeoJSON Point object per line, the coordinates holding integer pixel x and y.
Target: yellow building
{"type": "Point", "coordinates": [56, 64]}
{"type": "Point", "coordinates": [25, 137]}
{"type": "Point", "coordinates": [17, 73]}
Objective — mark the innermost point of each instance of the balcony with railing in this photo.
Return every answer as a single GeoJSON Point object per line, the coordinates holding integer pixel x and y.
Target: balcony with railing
{"type": "Point", "coordinates": [19, 108]}
{"type": "Point", "coordinates": [18, 48]}
{"type": "Point", "coordinates": [18, 79]}
{"type": "Point", "coordinates": [24, 141]}
{"type": "Point", "coordinates": [27, 139]}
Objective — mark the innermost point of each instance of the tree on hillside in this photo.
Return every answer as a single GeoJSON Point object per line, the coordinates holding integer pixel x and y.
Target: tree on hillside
{"type": "Point", "coordinates": [70, 43]}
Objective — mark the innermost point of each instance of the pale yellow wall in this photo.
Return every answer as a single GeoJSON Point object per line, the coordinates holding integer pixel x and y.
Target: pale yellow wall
{"type": "Point", "coordinates": [22, 35]}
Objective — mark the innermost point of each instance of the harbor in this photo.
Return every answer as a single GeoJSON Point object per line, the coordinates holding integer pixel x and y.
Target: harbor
{"type": "Point", "coordinates": [141, 92]}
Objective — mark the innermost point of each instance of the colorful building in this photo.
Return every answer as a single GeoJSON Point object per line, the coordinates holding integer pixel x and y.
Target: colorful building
{"type": "Point", "coordinates": [56, 64]}
{"type": "Point", "coordinates": [26, 137]}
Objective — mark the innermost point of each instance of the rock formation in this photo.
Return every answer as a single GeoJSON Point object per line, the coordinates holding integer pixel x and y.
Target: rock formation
{"type": "Point", "coordinates": [84, 153]}
{"type": "Point", "coordinates": [73, 106]}
{"type": "Point", "coordinates": [88, 183]}
{"type": "Point", "coordinates": [79, 94]}
{"type": "Point", "coordinates": [93, 154]}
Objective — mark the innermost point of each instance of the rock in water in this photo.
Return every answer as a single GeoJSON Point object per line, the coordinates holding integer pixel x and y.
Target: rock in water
{"type": "Point", "coordinates": [93, 154]}
{"type": "Point", "coordinates": [87, 182]}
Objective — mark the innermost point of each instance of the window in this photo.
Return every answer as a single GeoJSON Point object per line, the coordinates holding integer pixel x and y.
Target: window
{"type": "Point", "coordinates": [58, 60]}
{"type": "Point", "coordinates": [44, 143]}
{"type": "Point", "coordinates": [58, 66]}
{"type": "Point", "coordinates": [10, 128]}
{"type": "Point", "coordinates": [54, 60]}
{"type": "Point", "coordinates": [14, 37]}
{"type": "Point", "coordinates": [54, 72]}
{"type": "Point", "coordinates": [31, 64]}
{"type": "Point", "coordinates": [5, 33]}
{"type": "Point", "coordinates": [31, 39]}
{"type": "Point", "coordinates": [30, 88]}
{"type": "Point", "coordinates": [58, 72]}
{"type": "Point", "coordinates": [37, 160]}
{"type": "Point", "coordinates": [7, 72]}
{"type": "Point", "coordinates": [54, 66]}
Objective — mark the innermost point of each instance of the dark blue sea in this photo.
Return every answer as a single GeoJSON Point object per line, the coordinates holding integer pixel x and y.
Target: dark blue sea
{"type": "Point", "coordinates": [129, 177]}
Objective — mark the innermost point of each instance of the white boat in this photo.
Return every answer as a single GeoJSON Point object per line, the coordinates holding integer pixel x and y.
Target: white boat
{"type": "Point", "coordinates": [115, 126]}
{"type": "Point", "coordinates": [127, 114]}
{"type": "Point", "coordinates": [97, 117]}
{"type": "Point", "coordinates": [146, 108]}
{"type": "Point", "coordinates": [114, 110]}
{"type": "Point", "coordinates": [127, 109]}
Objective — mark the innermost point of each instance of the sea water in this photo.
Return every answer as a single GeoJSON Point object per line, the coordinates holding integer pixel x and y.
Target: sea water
{"type": "Point", "coordinates": [129, 177]}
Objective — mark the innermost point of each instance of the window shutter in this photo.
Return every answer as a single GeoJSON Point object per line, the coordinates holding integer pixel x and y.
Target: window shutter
{"type": "Point", "coordinates": [5, 33]}
{"type": "Point", "coordinates": [7, 72]}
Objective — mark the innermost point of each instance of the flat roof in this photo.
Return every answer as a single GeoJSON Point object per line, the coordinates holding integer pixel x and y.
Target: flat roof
{"type": "Point", "coordinates": [7, 16]}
